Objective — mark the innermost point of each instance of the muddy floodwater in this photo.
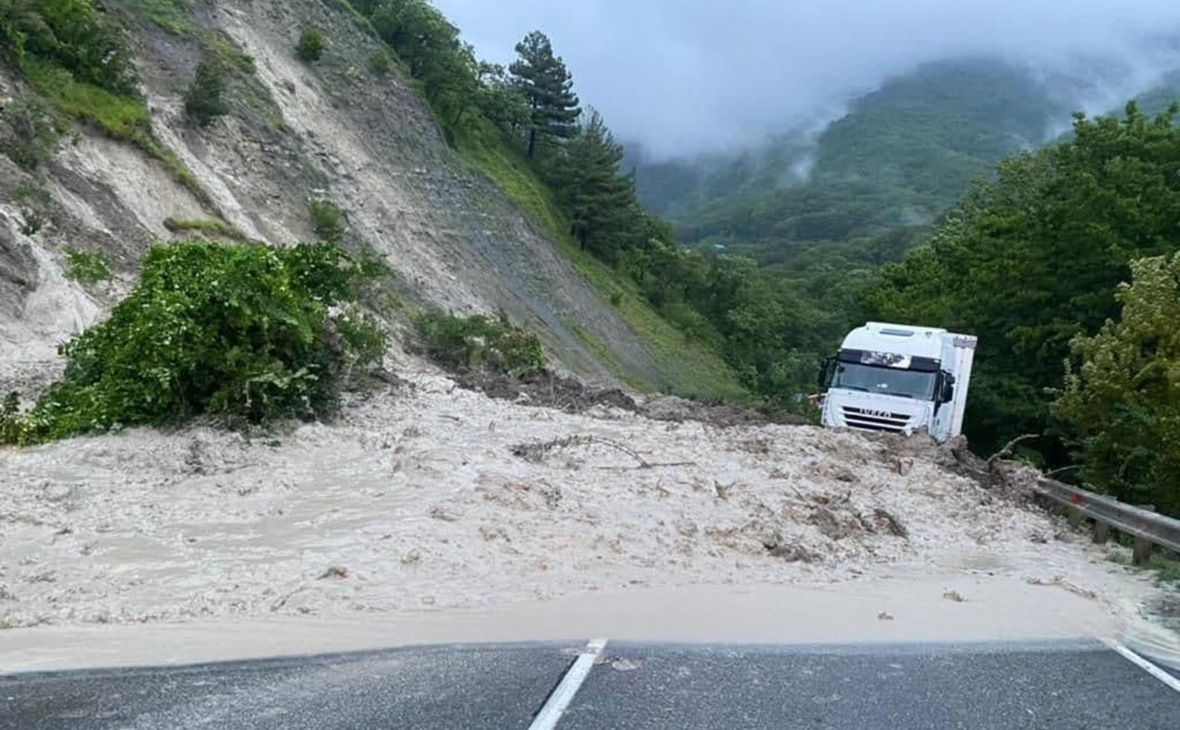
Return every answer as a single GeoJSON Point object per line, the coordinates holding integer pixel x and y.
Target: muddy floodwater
{"type": "Point", "coordinates": [452, 515]}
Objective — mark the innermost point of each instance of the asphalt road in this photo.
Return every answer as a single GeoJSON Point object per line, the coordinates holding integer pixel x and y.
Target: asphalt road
{"type": "Point", "coordinates": [1059, 685]}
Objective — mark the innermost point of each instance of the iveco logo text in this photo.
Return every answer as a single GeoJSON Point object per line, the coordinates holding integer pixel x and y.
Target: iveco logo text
{"type": "Point", "coordinates": [877, 414]}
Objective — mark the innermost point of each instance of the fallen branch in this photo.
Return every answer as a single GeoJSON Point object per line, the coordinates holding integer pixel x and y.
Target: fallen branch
{"type": "Point", "coordinates": [536, 452]}
{"type": "Point", "coordinates": [648, 465]}
{"type": "Point", "coordinates": [1007, 450]}
{"type": "Point", "coordinates": [607, 442]}
{"type": "Point", "coordinates": [1062, 470]}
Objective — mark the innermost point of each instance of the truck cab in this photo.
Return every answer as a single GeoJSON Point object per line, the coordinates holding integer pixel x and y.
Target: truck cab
{"type": "Point", "coordinates": [899, 379]}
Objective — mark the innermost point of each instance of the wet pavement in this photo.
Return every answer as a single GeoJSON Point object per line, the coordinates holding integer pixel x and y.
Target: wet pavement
{"type": "Point", "coordinates": [634, 686]}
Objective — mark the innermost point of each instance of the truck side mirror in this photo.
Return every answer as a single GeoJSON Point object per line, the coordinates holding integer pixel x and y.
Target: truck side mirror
{"type": "Point", "coordinates": [825, 369]}
{"type": "Point", "coordinates": [948, 391]}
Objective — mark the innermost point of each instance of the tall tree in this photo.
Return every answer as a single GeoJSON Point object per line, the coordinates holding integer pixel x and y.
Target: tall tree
{"type": "Point", "coordinates": [500, 100]}
{"type": "Point", "coordinates": [548, 87]}
{"type": "Point", "coordinates": [596, 197]}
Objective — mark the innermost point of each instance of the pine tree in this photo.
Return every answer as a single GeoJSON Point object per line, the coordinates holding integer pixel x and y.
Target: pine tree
{"type": "Point", "coordinates": [598, 200]}
{"type": "Point", "coordinates": [548, 87]}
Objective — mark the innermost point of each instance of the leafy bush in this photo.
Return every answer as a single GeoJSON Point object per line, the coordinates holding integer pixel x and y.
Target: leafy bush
{"type": "Point", "coordinates": [87, 267]}
{"type": "Point", "coordinates": [327, 220]}
{"type": "Point", "coordinates": [380, 63]}
{"type": "Point", "coordinates": [204, 101]}
{"type": "Point", "coordinates": [1120, 401]}
{"type": "Point", "coordinates": [463, 344]}
{"type": "Point", "coordinates": [34, 134]}
{"type": "Point", "coordinates": [311, 45]}
{"type": "Point", "coordinates": [246, 333]}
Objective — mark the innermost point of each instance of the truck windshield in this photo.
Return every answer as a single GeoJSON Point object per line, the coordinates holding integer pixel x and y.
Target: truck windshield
{"type": "Point", "coordinates": [915, 384]}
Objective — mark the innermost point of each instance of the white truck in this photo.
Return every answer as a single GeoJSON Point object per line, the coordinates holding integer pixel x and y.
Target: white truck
{"type": "Point", "coordinates": [898, 378]}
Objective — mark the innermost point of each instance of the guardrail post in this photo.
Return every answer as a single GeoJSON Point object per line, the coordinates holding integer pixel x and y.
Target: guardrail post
{"type": "Point", "coordinates": [1101, 532]}
{"type": "Point", "coordinates": [1075, 517]}
{"type": "Point", "coordinates": [1142, 551]}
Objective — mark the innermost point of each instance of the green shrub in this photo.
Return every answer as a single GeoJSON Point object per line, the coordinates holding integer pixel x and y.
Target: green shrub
{"type": "Point", "coordinates": [69, 34]}
{"type": "Point", "coordinates": [247, 333]}
{"type": "Point", "coordinates": [10, 419]}
{"type": "Point", "coordinates": [327, 220]}
{"type": "Point", "coordinates": [462, 344]}
{"type": "Point", "coordinates": [380, 64]}
{"type": "Point", "coordinates": [204, 100]}
{"type": "Point", "coordinates": [87, 267]}
{"type": "Point", "coordinates": [34, 133]}
{"type": "Point", "coordinates": [311, 45]}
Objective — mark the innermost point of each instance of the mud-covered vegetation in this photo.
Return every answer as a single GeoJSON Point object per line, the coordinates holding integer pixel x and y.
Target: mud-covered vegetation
{"type": "Point", "coordinates": [248, 334]}
{"type": "Point", "coordinates": [207, 227]}
{"type": "Point", "coordinates": [467, 344]}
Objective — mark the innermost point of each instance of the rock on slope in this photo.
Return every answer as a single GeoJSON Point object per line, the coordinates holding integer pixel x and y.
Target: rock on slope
{"type": "Point", "coordinates": [437, 497]}
{"type": "Point", "coordinates": [297, 131]}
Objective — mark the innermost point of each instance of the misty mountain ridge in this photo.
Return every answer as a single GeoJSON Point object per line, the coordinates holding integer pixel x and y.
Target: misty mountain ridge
{"type": "Point", "coordinates": [897, 159]}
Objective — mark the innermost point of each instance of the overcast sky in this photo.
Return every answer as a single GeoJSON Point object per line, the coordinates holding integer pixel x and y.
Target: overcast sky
{"type": "Point", "coordinates": [684, 76]}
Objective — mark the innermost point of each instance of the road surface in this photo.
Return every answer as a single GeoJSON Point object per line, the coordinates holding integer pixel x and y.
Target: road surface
{"type": "Point", "coordinates": [633, 686]}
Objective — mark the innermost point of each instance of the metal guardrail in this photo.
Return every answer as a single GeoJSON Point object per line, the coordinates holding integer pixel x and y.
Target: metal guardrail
{"type": "Point", "coordinates": [1147, 527]}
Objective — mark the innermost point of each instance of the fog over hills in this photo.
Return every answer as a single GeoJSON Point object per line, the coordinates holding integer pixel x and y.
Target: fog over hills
{"type": "Point", "coordinates": [686, 76]}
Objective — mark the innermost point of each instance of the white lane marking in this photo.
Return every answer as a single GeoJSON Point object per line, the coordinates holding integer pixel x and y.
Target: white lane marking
{"type": "Point", "coordinates": [1145, 665]}
{"type": "Point", "coordinates": [561, 698]}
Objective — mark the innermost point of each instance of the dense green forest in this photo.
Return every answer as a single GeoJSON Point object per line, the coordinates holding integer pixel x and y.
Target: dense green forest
{"type": "Point", "coordinates": [1031, 262]}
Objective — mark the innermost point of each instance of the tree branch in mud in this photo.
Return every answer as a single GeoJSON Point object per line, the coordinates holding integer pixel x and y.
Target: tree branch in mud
{"type": "Point", "coordinates": [536, 452]}
{"type": "Point", "coordinates": [1007, 450]}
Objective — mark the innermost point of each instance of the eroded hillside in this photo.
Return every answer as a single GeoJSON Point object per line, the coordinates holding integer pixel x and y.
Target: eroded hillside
{"type": "Point", "coordinates": [295, 132]}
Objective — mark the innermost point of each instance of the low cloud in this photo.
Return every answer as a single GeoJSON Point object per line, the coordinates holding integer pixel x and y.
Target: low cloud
{"type": "Point", "coordinates": [688, 76]}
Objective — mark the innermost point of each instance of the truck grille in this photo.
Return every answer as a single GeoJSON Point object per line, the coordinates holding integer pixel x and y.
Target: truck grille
{"type": "Point", "coordinates": [870, 420]}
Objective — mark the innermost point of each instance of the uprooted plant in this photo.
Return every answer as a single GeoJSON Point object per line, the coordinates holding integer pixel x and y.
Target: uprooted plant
{"type": "Point", "coordinates": [248, 333]}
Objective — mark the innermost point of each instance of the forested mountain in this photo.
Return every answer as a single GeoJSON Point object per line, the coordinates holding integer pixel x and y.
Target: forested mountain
{"type": "Point", "coordinates": [1012, 227]}
{"type": "Point", "coordinates": [901, 156]}
{"type": "Point", "coordinates": [859, 190]}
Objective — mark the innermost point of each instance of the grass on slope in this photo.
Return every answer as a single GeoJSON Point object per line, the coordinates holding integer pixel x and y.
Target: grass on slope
{"type": "Point", "coordinates": [691, 369]}
{"type": "Point", "coordinates": [124, 118]}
